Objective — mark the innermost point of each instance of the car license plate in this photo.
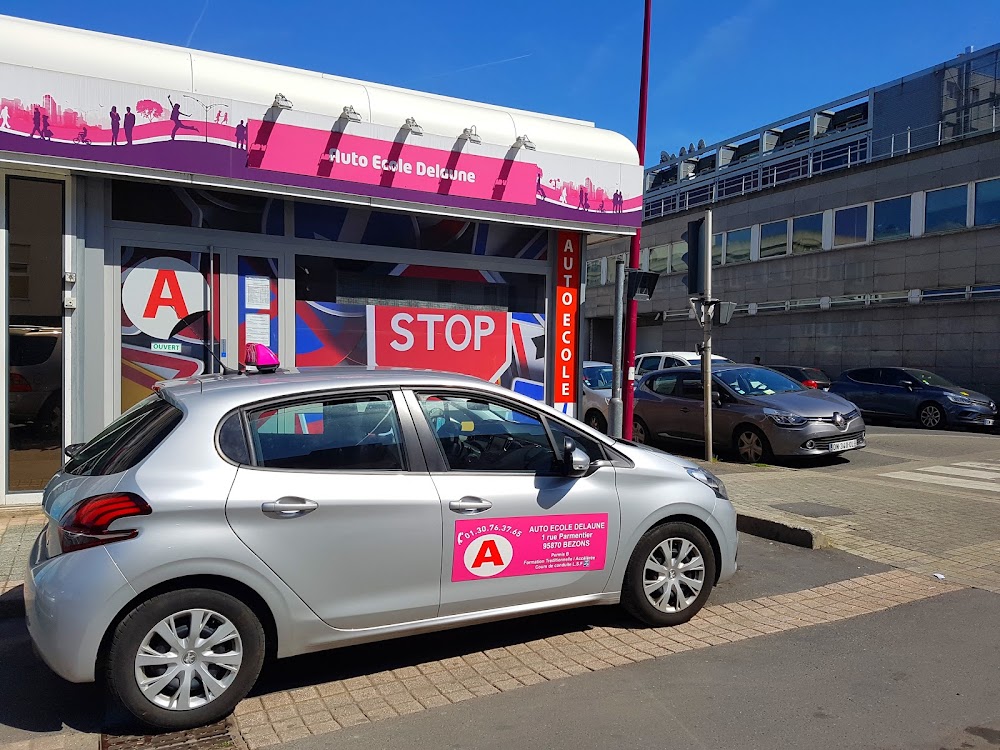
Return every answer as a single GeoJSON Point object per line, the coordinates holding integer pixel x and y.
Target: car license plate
{"type": "Point", "coordinates": [988, 422]}
{"type": "Point", "coordinates": [843, 445]}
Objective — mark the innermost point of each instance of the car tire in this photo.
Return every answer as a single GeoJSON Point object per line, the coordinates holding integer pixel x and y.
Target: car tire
{"type": "Point", "coordinates": [751, 445]}
{"type": "Point", "coordinates": [686, 575]}
{"type": "Point", "coordinates": [595, 420]}
{"type": "Point", "coordinates": [49, 419]}
{"type": "Point", "coordinates": [139, 635]}
{"type": "Point", "coordinates": [640, 432]}
{"type": "Point", "coordinates": [931, 416]}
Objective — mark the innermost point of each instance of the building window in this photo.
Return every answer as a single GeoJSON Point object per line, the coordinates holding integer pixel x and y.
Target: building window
{"type": "Point", "coordinates": [774, 239]}
{"type": "Point", "coordinates": [678, 256]}
{"type": "Point", "coordinates": [850, 226]}
{"type": "Point", "coordinates": [892, 219]}
{"type": "Point", "coordinates": [594, 272]}
{"type": "Point", "coordinates": [807, 233]}
{"type": "Point", "coordinates": [738, 246]}
{"type": "Point", "coordinates": [987, 203]}
{"type": "Point", "coordinates": [946, 209]}
{"type": "Point", "coordinates": [659, 259]}
{"type": "Point", "coordinates": [717, 249]}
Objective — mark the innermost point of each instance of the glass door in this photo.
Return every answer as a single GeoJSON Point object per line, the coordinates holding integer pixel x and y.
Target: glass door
{"type": "Point", "coordinates": [172, 325]}
{"type": "Point", "coordinates": [256, 313]}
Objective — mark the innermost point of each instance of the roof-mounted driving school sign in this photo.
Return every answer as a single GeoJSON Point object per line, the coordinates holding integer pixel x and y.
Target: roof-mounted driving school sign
{"type": "Point", "coordinates": [188, 112]}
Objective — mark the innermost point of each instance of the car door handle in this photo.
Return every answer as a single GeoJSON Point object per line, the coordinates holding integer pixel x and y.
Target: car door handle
{"type": "Point", "coordinates": [684, 410]}
{"type": "Point", "coordinates": [470, 505]}
{"type": "Point", "coordinates": [290, 507]}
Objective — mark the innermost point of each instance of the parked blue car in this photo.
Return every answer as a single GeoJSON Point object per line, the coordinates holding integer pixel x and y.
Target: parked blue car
{"type": "Point", "coordinates": [908, 394]}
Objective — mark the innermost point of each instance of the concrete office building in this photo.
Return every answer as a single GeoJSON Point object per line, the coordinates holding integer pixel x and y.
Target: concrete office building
{"type": "Point", "coordinates": [863, 232]}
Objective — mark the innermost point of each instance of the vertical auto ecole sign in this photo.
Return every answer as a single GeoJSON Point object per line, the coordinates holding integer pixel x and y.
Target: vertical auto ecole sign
{"type": "Point", "coordinates": [567, 321]}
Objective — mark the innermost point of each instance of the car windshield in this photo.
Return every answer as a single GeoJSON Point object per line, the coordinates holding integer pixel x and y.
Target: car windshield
{"type": "Point", "coordinates": [597, 377]}
{"type": "Point", "coordinates": [929, 378]}
{"type": "Point", "coordinates": [757, 381]}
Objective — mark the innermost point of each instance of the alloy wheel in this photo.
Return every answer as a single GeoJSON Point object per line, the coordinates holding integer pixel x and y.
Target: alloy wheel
{"type": "Point", "coordinates": [673, 575]}
{"type": "Point", "coordinates": [638, 432]}
{"type": "Point", "coordinates": [188, 659]}
{"type": "Point", "coordinates": [930, 416]}
{"type": "Point", "coordinates": [750, 447]}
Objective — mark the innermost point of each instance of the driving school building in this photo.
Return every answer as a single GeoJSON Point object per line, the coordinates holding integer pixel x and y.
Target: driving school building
{"type": "Point", "coordinates": [163, 208]}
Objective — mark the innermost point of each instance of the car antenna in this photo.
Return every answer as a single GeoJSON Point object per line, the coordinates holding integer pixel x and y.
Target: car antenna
{"type": "Point", "coordinates": [226, 370]}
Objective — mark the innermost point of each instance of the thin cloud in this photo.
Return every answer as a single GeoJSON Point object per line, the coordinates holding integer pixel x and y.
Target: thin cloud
{"type": "Point", "coordinates": [478, 66]}
{"type": "Point", "coordinates": [197, 24]}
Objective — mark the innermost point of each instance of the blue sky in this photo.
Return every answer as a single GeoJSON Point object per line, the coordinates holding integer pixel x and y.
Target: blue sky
{"type": "Point", "coordinates": [717, 68]}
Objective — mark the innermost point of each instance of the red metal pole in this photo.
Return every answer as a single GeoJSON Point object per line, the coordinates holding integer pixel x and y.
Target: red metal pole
{"type": "Point", "coordinates": [632, 307]}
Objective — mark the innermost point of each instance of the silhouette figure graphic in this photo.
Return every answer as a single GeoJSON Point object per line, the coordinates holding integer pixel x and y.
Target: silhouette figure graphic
{"type": "Point", "coordinates": [36, 121]}
{"type": "Point", "coordinates": [584, 203]}
{"type": "Point", "coordinates": [46, 130]}
{"type": "Point", "coordinates": [241, 136]}
{"type": "Point", "coordinates": [116, 120]}
{"type": "Point", "coordinates": [175, 117]}
{"type": "Point", "coordinates": [5, 118]}
{"type": "Point", "coordinates": [129, 124]}
{"type": "Point", "coordinates": [539, 190]}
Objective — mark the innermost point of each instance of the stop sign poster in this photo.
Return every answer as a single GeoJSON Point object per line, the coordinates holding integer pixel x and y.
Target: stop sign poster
{"type": "Point", "coordinates": [529, 545]}
{"type": "Point", "coordinates": [471, 342]}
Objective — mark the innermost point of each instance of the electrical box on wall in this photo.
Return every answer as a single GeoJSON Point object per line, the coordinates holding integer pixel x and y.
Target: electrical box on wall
{"type": "Point", "coordinates": [69, 277]}
{"type": "Point", "coordinates": [69, 303]}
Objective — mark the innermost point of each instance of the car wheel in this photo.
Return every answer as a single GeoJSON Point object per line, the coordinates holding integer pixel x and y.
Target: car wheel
{"type": "Point", "coordinates": [670, 575]}
{"type": "Point", "coordinates": [49, 419]}
{"type": "Point", "coordinates": [931, 416]}
{"type": "Point", "coordinates": [751, 445]}
{"type": "Point", "coordinates": [640, 432]}
{"type": "Point", "coordinates": [185, 658]}
{"type": "Point", "coordinates": [596, 421]}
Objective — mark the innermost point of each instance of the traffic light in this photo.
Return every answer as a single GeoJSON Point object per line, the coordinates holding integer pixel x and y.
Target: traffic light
{"type": "Point", "coordinates": [695, 257]}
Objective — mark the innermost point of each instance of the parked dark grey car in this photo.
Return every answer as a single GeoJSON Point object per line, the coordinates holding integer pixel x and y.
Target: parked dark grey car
{"type": "Point", "coordinates": [758, 413]}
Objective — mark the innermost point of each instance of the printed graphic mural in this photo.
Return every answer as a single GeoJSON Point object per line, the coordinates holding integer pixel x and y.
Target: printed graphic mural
{"type": "Point", "coordinates": [61, 115]}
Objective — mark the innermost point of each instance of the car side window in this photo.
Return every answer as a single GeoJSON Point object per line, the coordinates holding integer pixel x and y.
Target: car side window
{"type": "Point", "coordinates": [866, 375]}
{"type": "Point", "coordinates": [892, 376]}
{"type": "Point", "coordinates": [664, 385]}
{"type": "Point", "coordinates": [648, 364]}
{"type": "Point", "coordinates": [692, 387]}
{"type": "Point", "coordinates": [480, 434]}
{"type": "Point", "coordinates": [359, 433]}
{"type": "Point", "coordinates": [587, 444]}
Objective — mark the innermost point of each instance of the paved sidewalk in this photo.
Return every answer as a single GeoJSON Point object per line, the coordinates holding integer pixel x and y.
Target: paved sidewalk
{"type": "Point", "coordinates": [17, 533]}
{"type": "Point", "coordinates": [952, 528]}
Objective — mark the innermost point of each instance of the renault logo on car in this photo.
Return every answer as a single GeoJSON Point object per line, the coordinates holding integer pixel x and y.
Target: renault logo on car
{"type": "Point", "coordinates": [838, 419]}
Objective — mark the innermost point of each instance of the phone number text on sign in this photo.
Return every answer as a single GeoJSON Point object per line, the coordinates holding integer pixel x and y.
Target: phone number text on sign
{"type": "Point", "coordinates": [529, 545]}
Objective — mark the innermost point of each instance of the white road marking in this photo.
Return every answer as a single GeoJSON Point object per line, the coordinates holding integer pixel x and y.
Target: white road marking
{"type": "Point", "coordinates": [959, 470]}
{"type": "Point", "coordinates": [948, 481]}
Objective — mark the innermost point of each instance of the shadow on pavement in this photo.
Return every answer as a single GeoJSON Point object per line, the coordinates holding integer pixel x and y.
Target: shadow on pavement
{"type": "Point", "coordinates": [32, 698]}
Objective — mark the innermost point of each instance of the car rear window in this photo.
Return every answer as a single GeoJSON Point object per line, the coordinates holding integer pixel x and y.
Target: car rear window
{"type": "Point", "coordinates": [811, 373]}
{"type": "Point", "coordinates": [127, 440]}
{"type": "Point", "coordinates": [28, 350]}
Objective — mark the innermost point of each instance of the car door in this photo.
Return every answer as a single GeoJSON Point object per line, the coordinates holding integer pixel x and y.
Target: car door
{"type": "Point", "coordinates": [516, 531]}
{"type": "Point", "coordinates": [340, 506]}
{"type": "Point", "coordinates": [898, 392]}
{"type": "Point", "coordinates": [658, 404]}
{"type": "Point", "coordinates": [863, 389]}
{"type": "Point", "coordinates": [691, 412]}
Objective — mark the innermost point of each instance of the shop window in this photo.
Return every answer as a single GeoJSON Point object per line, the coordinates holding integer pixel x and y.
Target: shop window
{"type": "Point", "coordinates": [987, 203]}
{"type": "Point", "coordinates": [850, 226]}
{"type": "Point", "coordinates": [678, 256]}
{"type": "Point", "coordinates": [659, 259]}
{"type": "Point", "coordinates": [774, 239]}
{"type": "Point", "coordinates": [173, 205]}
{"type": "Point", "coordinates": [594, 272]}
{"type": "Point", "coordinates": [946, 209]}
{"type": "Point", "coordinates": [34, 332]}
{"type": "Point", "coordinates": [807, 233]}
{"type": "Point", "coordinates": [892, 219]}
{"type": "Point", "coordinates": [738, 246]}
{"type": "Point", "coordinates": [717, 249]}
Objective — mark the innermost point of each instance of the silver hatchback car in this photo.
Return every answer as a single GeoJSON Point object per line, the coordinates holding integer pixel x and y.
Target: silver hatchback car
{"type": "Point", "coordinates": [229, 518]}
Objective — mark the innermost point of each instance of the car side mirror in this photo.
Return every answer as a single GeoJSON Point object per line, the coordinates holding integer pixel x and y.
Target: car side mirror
{"type": "Point", "coordinates": [716, 398]}
{"type": "Point", "coordinates": [909, 384]}
{"type": "Point", "coordinates": [576, 462]}
{"type": "Point", "coordinates": [71, 451]}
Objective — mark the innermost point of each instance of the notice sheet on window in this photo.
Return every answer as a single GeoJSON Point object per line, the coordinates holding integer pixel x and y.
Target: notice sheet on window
{"type": "Point", "coordinates": [258, 328]}
{"type": "Point", "coordinates": [257, 291]}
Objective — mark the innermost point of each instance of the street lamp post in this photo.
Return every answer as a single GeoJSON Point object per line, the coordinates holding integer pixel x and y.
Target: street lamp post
{"type": "Point", "coordinates": [208, 108]}
{"type": "Point", "coordinates": [632, 311]}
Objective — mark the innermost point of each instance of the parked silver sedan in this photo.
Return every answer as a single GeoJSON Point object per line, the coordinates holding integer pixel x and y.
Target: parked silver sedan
{"type": "Point", "coordinates": [597, 383]}
{"type": "Point", "coordinates": [758, 413]}
{"type": "Point", "coordinates": [231, 517]}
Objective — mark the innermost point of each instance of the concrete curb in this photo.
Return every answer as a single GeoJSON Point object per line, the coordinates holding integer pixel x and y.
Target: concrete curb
{"type": "Point", "coordinates": [799, 536]}
{"type": "Point", "coordinates": [12, 603]}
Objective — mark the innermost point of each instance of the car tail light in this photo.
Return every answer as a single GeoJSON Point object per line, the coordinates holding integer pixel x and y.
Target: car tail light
{"type": "Point", "coordinates": [810, 384]}
{"type": "Point", "coordinates": [86, 523]}
{"type": "Point", "coordinates": [19, 383]}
